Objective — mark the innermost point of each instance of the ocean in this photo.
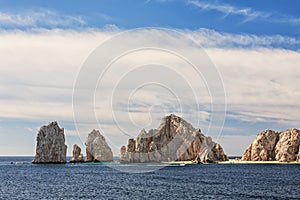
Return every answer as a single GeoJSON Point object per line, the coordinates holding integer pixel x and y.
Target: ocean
{"type": "Point", "coordinates": [19, 179]}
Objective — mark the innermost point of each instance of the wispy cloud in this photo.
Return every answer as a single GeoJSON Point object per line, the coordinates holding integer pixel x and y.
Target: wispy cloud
{"type": "Point", "coordinates": [248, 13]}
{"type": "Point", "coordinates": [212, 38]}
{"type": "Point", "coordinates": [40, 18]}
{"type": "Point", "coordinates": [226, 9]}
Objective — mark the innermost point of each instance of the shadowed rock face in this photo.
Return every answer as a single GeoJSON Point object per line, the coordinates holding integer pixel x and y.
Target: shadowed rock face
{"type": "Point", "coordinates": [274, 146]}
{"type": "Point", "coordinates": [97, 150]}
{"type": "Point", "coordinates": [50, 146]}
{"type": "Point", "coordinates": [77, 155]}
{"type": "Point", "coordinates": [173, 140]}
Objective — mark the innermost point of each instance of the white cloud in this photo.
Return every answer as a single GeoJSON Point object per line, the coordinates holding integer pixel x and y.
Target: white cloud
{"type": "Point", "coordinates": [39, 18]}
{"type": "Point", "coordinates": [209, 38]}
{"type": "Point", "coordinates": [38, 70]}
{"type": "Point", "coordinates": [226, 9]}
{"type": "Point", "coordinates": [261, 84]}
{"type": "Point", "coordinates": [248, 13]}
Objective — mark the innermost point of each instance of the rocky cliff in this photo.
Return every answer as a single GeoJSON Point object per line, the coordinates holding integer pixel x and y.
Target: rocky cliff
{"type": "Point", "coordinates": [274, 146]}
{"type": "Point", "coordinates": [97, 150]}
{"type": "Point", "coordinates": [50, 146]}
{"type": "Point", "coordinates": [77, 155]}
{"type": "Point", "coordinates": [173, 140]}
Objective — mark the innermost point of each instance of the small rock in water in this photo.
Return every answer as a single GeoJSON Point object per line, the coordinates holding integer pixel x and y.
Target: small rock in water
{"type": "Point", "coordinates": [77, 155]}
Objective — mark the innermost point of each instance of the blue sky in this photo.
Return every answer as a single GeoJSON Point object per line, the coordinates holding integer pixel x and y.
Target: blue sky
{"type": "Point", "coordinates": [251, 17]}
{"type": "Point", "coordinates": [254, 44]}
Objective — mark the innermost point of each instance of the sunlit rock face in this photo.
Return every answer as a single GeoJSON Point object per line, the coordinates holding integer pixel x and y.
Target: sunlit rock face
{"type": "Point", "coordinates": [50, 146]}
{"type": "Point", "coordinates": [274, 146]}
{"type": "Point", "coordinates": [97, 149]}
{"type": "Point", "coordinates": [173, 140]}
{"type": "Point", "coordinates": [287, 148]}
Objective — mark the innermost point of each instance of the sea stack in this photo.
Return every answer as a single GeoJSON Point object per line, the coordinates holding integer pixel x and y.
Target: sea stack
{"type": "Point", "coordinates": [97, 150]}
{"type": "Point", "coordinates": [274, 146]}
{"type": "Point", "coordinates": [77, 155]}
{"type": "Point", "coordinates": [173, 140]}
{"type": "Point", "coordinates": [50, 146]}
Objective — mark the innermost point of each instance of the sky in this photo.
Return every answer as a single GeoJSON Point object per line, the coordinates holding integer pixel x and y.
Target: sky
{"type": "Point", "coordinates": [47, 48]}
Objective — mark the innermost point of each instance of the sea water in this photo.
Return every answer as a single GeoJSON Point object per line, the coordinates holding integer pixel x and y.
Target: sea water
{"type": "Point", "coordinates": [19, 179]}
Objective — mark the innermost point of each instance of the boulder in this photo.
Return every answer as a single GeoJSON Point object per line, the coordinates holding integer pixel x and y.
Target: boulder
{"type": "Point", "coordinates": [50, 146]}
{"type": "Point", "coordinates": [173, 140]}
{"type": "Point", "coordinates": [77, 155]}
{"type": "Point", "coordinates": [274, 146]}
{"type": "Point", "coordinates": [97, 150]}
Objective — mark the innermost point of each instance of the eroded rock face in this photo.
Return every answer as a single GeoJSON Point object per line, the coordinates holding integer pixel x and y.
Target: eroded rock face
{"type": "Point", "coordinates": [262, 148]}
{"type": "Point", "coordinates": [97, 150]}
{"type": "Point", "coordinates": [173, 140]}
{"type": "Point", "coordinates": [274, 146]}
{"type": "Point", "coordinates": [50, 146]}
{"type": "Point", "coordinates": [77, 155]}
{"type": "Point", "coordinates": [287, 148]}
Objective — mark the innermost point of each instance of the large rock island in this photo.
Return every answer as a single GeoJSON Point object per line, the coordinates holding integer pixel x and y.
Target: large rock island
{"type": "Point", "coordinates": [274, 146]}
{"type": "Point", "coordinates": [97, 149]}
{"type": "Point", "coordinates": [50, 146]}
{"type": "Point", "coordinates": [173, 140]}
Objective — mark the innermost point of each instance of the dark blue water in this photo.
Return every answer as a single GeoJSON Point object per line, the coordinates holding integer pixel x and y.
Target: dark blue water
{"type": "Point", "coordinates": [89, 181]}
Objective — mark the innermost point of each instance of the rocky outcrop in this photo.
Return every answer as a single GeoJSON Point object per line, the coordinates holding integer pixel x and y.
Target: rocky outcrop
{"type": "Point", "coordinates": [97, 150]}
{"type": "Point", "coordinates": [173, 140]}
{"type": "Point", "coordinates": [50, 146]}
{"type": "Point", "coordinates": [262, 148]}
{"type": "Point", "coordinates": [287, 148]}
{"type": "Point", "coordinates": [274, 146]}
{"type": "Point", "coordinates": [77, 155]}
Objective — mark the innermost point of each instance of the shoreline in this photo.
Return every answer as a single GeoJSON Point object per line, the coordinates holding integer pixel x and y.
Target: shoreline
{"type": "Point", "coordinates": [18, 159]}
{"type": "Point", "coordinates": [234, 161]}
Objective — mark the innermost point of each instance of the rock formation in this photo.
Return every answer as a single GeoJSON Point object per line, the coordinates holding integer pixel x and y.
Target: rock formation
{"type": "Point", "coordinates": [287, 148]}
{"type": "Point", "coordinates": [262, 147]}
{"type": "Point", "coordinates": [50, 146]}
{"type": "Point", "coordinates": [274, 146]}
{"type": "Point", "coordinates": [173, 140]}
{"type": "Point", "coordinates": [97, 150]}
{"type": "Point", "coordinates": [77, 155]}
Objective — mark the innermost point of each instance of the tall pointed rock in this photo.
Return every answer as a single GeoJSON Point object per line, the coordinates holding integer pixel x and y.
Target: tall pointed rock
{"type": "Point", "coordinates": [50, 146]}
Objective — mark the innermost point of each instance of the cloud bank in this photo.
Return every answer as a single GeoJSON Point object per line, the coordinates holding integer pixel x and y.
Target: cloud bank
{"type": "Point", "coordinates": [39, 67]}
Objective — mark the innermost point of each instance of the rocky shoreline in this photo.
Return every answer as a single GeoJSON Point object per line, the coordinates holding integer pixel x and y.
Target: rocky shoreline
{"type": "Point", "coordinates": [175, 141]}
